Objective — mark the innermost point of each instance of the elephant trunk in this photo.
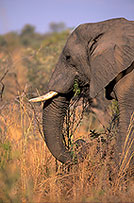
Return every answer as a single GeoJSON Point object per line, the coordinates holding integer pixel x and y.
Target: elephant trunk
{"type": "Point", "coordinates": [54, 112]}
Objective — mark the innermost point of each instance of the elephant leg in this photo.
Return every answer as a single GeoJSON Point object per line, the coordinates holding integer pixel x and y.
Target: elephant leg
{"type": "Point", "coordinates": [124, 90]}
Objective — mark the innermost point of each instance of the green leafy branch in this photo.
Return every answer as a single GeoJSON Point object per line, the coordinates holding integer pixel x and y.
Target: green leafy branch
{"type": "Point", "coordinates": [76, 88]}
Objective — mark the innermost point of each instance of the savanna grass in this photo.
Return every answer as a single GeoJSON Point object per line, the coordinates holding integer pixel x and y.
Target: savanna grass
{"type": "Point", "coordinates": [31, 174]}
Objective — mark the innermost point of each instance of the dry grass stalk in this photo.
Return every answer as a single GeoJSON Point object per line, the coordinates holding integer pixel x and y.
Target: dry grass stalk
{"type": "Point", "coordinates": [39, 180]}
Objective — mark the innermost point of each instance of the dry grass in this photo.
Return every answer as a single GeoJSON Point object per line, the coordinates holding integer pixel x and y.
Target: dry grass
{"type": "Point", "coordinates": [29, 173]}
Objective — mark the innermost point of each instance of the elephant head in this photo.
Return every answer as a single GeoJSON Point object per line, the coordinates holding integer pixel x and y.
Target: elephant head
{"type": "Point", "coordinates": [95, 54]}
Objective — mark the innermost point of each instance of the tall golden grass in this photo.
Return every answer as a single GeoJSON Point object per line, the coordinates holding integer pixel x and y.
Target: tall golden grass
{"type": "Point", "coordinates": [29, 173]}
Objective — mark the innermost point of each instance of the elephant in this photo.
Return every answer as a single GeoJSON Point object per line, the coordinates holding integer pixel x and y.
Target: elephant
{"type": "Point", "coordinates": [100, 56]}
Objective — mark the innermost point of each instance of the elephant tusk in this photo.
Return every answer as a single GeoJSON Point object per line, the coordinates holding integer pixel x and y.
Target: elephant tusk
{"type": "Point", "coordinates": [45, 97]}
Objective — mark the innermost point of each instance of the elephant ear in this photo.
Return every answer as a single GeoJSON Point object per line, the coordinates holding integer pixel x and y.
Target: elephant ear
{"type": "Point", "coordinates": [110, 53]}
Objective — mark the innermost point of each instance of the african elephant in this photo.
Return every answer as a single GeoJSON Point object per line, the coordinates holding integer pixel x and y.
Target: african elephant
{"type": "Point", "coordinates": [99, 56]}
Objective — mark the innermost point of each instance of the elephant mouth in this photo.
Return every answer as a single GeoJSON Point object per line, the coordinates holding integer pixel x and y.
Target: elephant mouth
{"type": "Point", "coordinates": [77, 91]}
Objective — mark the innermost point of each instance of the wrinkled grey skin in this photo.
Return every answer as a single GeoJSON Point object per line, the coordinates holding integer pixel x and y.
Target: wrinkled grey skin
{"type": "Point", "coordinates": [101, 56]}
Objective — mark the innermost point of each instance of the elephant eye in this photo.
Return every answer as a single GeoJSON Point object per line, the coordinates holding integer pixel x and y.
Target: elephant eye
{"type": "Point", "coordinates": [69, 60]}
{"type": "Point", "coordinates": [68, 57]}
